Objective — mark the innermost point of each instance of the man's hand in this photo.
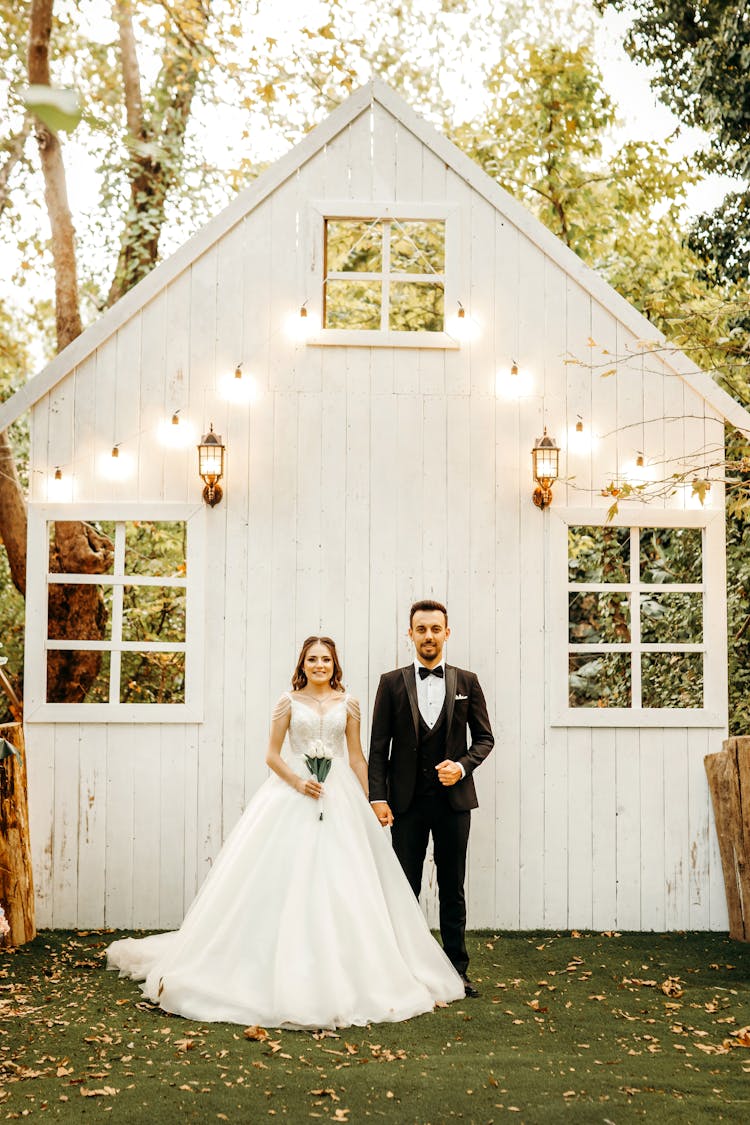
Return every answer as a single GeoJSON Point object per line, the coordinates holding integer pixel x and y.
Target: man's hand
{"type": "Point", "coordinates": [449, 772]}
{"type": "Point", "coordinates": [383, 812]}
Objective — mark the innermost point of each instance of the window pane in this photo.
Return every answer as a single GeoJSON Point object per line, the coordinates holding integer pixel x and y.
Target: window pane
{"type": "Point", "coordinates": [77, 677]}
{"type": "Point", "coordinates": [671, 554]}
{"type": "Point", "coordinates": [354, 244]}
{"type": "Point", "coordinates": [671, 618]}
{"type": "Point", "coordinates": [81, 538]}
{"type": "Point", "coordinates": [598, 554]}
{"type": "Point", "coordinates": [672, 679]}
{"type": "Point", "coordinates": [152, 677]}
{"type": "Point", "coordinates": [156, 548]}
{"type": "Point", "coordinates": [598, 618]}
{"type": "Point", "coordinates": [153, 613]}
{"type": "Point", "coordinates": [599, 680]}
{"type": "Point", "coordinates": [416, 307]}
{"type": "Point", "coordinates": [79, 613]}
{"type": "Point", "coordinates": [418, 247]}
{"type": "Point", "coordinates": [351, 304]}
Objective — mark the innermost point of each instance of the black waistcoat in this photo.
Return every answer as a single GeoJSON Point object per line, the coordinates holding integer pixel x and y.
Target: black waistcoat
{"type": "Point", "coordinates": [430, 751]}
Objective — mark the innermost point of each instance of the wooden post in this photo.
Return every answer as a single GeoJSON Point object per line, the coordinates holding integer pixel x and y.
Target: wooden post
{"type": "Point", "coordinates": [729, 781]}
{"type": "Point", "coordinates": [16, 882]}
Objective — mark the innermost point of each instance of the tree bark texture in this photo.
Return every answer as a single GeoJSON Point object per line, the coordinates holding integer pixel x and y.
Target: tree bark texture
{"type": "Point", "coordinates": [729, 782]}
{"type": "Point", "coordinates": [12, 514]}
{"type": "Point", "coordinates": [67, 310]}
{"type": "Point", "coordinates": [16, 881]}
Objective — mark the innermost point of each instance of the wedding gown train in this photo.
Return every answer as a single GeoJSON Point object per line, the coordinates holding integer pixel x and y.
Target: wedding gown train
{"type": "Point", "coordinates": [301, 922]}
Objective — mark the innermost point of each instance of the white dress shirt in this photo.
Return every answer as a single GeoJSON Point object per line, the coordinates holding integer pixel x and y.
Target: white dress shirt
{"type": "Point", "coordinates": [430, 694]}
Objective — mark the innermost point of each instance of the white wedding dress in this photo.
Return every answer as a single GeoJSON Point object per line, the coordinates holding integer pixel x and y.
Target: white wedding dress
{"type": "Point", "coordinates": [301, 922]}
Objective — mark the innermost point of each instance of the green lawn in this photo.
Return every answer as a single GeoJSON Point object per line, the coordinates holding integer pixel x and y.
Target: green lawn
{"type": "Point", "coordinates": [587, 1028]}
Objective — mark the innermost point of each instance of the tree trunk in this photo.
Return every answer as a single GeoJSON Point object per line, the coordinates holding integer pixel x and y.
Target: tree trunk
{"type": "Point", "coordinates": [729, 781]}
{"type": "Point", "coordinates": [67, 310]}
{"type": "Point", "coordinates": [12, 514]}
{"type": "Point", "coordinates": [16, 882]}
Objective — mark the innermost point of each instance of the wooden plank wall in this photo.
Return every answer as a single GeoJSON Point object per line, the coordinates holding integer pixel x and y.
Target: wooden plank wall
{"type": "Point", "coordinates": [358, 481]}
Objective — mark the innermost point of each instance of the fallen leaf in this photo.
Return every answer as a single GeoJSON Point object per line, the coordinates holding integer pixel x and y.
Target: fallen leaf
{"type": "Point", "coordinates": [672, 987]}
{"type": "Point", "coordinates": [259, 1034]}
{"type": "Point", "coordinates": [105, 1092]}
{"type": "Point", "coordinates": [328, 1092]}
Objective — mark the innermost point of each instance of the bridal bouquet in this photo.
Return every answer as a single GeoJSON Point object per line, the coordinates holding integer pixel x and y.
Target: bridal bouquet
{"type": "Point", "coordinates": [319, 761]}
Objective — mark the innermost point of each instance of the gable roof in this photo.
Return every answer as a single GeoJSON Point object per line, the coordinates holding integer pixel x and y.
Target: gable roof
{"type": "Point", "coordinates": [375, 91]}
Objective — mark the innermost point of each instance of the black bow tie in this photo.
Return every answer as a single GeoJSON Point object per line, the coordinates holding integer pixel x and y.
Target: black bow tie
{"type": "Point", "coordinates": [425, 672]}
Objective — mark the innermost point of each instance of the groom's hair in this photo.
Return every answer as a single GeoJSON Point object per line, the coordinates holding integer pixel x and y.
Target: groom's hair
{"type": "Point", "coordinates": [428, 606]}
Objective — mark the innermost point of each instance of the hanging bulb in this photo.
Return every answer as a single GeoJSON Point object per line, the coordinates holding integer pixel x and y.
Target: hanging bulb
{"type": "Point", "coordinates": [59, 487]}
{"type": "Point", "coordinates": [116, 466]}
{"type": "Point", "coordinates": [461, 311]}
{"type": "Point", "coordinates": [513, 367]}
{"type": "Point", "coordinates": [579, 425]}
{"type": "Point", "coordinates": [639, 460]}
{"type": "Point", "coordinates": [176, 432]}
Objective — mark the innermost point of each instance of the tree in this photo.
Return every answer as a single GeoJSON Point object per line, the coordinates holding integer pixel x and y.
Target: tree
{"type": "Point", "coordinates": [699, 53]}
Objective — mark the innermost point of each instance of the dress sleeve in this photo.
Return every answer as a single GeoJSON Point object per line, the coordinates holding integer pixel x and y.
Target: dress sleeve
{"type": "Point", "coordinates": [352, 707]}
{"type": "Point", "coordinates": [283, 707]}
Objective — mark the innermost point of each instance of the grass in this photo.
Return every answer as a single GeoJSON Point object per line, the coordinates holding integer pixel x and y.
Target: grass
{"type": "Point", "coordinates": [607, 1028]}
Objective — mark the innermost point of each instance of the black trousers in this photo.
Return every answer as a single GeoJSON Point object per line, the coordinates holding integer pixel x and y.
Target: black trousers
{"type": "Point", "coordinates": [450, 836]}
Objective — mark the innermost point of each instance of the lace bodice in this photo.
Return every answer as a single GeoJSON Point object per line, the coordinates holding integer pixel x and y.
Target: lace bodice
{"type": "Point", "coordinates": [307, 723]}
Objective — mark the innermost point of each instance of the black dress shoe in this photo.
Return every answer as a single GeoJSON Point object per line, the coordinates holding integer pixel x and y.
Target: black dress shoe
{"type": "Point", "coordinates": [469, 989]}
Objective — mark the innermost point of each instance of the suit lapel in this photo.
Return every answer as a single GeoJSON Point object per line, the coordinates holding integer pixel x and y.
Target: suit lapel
{"type": "Point", "coordinates": [410, 681]}
{"type": "Point", "coordinates": [450, 694]}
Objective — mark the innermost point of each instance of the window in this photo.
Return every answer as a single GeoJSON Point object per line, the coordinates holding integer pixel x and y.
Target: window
{"type": "Point", "coordinates": [137, 619]}
{"type": "Point", "coordinates": [385, 274]}
{"type": "Point", "coordinates": [641, 624]}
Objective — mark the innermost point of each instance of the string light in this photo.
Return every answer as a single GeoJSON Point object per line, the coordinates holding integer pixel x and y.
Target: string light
{"type": "Point", "coordinates": [116, 466]}
{"type": "Point", "coordinates": [59, 487]}
{"type": "Point", "coordinates": [176, 432]}
{"type": "Point", "coordinates": [460, 326]}
{"type": "Point", "coordinates": [239, 387]}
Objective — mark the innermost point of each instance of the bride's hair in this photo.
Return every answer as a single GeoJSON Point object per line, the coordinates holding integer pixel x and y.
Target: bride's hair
{"type": "Point", "coordinates": [299, 677]}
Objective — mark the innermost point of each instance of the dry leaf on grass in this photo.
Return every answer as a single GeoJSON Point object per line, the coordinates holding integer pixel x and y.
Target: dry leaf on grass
{"type": "Point", "coordinates": [105, 1092]}
{"type": "Point", "coordinates": [672, 986]}
{"type": "Point", "coordinates": [328, 1092]}
{"type": "Point", "coordinates": [259, 1034]}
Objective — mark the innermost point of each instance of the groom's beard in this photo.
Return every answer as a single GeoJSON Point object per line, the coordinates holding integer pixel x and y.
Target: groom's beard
{"type": "Point", "coordinates": [429, 651]}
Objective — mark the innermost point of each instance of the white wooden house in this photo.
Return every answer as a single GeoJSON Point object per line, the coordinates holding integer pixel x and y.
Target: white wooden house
{"type": "Point", "coordinates": [385, 456]}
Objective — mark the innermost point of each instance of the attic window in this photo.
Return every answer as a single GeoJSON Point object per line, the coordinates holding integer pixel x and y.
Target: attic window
{"type": "Point", "coordinates": [385, 275]}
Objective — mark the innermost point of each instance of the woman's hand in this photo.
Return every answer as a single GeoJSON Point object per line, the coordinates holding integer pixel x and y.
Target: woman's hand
{"type": "Point", "coordinates": [309, 787]}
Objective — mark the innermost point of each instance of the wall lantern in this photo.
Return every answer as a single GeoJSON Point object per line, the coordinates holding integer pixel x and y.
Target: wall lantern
{"type": "Point", "coordinates": [545, 459]}
{"type": "Point", "coordinates": [211, 465]}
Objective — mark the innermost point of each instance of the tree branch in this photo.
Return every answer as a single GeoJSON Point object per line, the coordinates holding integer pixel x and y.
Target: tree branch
{"type": "Point", "coordinates": [131, 74]}
{"type": "Point", "coordinates": [15, 152]}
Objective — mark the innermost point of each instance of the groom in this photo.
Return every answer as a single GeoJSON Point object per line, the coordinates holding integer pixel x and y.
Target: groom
{"type": "Point", "coordinates": [420, 769]}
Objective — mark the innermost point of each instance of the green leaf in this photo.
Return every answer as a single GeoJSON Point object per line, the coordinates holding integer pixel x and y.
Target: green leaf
{"type": "Point", "coordinates": [55, 108]}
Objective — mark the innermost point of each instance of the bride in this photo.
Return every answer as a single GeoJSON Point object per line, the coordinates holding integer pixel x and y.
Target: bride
{"type": "Point", "coordinates": [304, 921]}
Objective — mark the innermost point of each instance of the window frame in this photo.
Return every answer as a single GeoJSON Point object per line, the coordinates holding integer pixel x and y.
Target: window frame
{"type": "Point", "coordinates": [714, 711]}
{"type": "Point", "coordinates": [36, 707]}
{"type": "Point", "coordinates": [320, 212]}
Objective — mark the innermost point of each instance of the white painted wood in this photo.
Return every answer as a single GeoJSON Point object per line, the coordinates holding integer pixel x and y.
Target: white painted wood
{"type": "Point", "coordinates": [361, 477]}
{"type": "Point", "coordinates": [628, 831]}
{"type": "Point", "coordinates": [92, 825]}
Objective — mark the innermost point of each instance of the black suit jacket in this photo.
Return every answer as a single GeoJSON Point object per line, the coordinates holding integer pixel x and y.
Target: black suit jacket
{"type": "Point", "coordinates": [393, 740]}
